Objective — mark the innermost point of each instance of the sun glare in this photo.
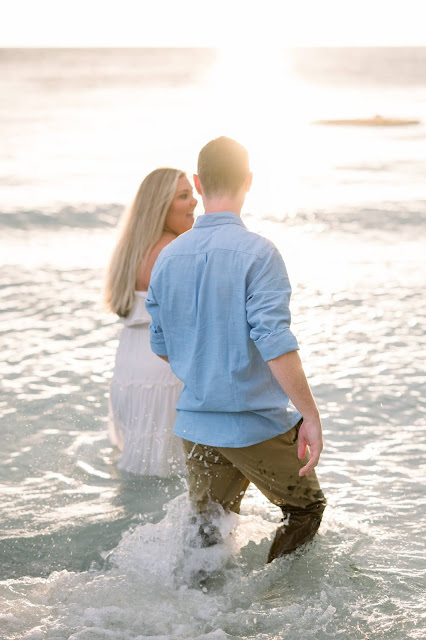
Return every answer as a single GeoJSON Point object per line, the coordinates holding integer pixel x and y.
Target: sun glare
{"type": "Point", "coordinates": [256, 98]}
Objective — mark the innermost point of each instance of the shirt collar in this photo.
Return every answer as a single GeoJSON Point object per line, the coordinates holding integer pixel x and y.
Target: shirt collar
{"type": "Point", "coordinates": [216, 219]}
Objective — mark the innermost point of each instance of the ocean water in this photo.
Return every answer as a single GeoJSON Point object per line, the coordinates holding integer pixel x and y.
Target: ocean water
{"type": "Point", "coordinates": [87, 553]}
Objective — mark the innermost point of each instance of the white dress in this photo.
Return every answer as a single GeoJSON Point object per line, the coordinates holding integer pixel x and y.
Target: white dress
{"type": "Point", "coordinates": [143, 396]}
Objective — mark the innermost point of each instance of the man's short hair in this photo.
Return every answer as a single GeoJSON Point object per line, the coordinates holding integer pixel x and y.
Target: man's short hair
{"type": "Point", "coordinates": [223, 165]}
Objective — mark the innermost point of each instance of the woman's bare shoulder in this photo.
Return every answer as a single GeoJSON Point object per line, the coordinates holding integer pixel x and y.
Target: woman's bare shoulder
{"type": "Point", "coordinates": [166, 238]}
{"type": "Point", "coordinates": [145, 268]}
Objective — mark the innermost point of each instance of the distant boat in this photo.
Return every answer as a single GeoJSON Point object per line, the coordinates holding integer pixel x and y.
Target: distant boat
{"type": "Point", "coordinates": [377, 121]}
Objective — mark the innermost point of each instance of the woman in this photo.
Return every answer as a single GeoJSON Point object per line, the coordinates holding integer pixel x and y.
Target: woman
{"type": "Point", "coordinates": [144, 390]}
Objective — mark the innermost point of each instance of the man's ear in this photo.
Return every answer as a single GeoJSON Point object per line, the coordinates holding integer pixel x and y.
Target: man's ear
{"type": "Point", "coordinates": [249, 181]}
{"type": "Point", "coordinates": [197, 184]}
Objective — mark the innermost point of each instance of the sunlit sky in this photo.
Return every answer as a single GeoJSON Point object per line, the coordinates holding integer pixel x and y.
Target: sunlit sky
{"type": "Point", "coordinates": [212, 23]}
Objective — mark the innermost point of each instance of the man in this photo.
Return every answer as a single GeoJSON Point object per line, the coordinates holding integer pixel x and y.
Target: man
{"type": "Point", "coordinates": [219, 302]}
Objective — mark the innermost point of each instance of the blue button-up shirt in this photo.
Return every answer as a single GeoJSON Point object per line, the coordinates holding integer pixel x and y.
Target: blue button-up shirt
{"type": "Point", "coordinates": [219, 302]}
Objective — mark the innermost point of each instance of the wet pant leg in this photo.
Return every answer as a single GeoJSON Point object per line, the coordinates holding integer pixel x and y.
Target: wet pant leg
{"type": "Point", "coordinates": [222, 475]}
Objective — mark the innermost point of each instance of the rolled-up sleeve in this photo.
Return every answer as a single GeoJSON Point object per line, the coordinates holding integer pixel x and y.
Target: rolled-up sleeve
{"type": "Point", "coordinates": [267, 306]}
{"type": "Point", "coordinates": [158, 344]}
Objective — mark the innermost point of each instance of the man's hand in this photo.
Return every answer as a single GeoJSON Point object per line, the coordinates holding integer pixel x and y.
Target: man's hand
{"type": "Point", "coordinates": [310, 435]}
{"type": "Point", "coordinates": [288, 370]}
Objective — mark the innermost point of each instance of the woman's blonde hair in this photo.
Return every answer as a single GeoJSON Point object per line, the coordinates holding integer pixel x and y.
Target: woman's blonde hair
{"type": "Point", "coordinates": [141, 227]}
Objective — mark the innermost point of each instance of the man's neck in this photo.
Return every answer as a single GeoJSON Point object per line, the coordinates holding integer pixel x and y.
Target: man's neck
{"type": "Point", "coordinates": [216, 205]}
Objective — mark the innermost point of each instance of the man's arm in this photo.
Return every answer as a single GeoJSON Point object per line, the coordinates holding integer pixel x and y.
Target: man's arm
{"type": "Point", "coordinates": [288, 370]}
{"type": "Point", "coordinates": [158, 343]}
{"type": "Point", "coordinates": [268, 314]}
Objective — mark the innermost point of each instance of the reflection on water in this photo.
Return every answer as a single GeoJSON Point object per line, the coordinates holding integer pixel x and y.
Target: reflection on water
{"type": "Point", "coordinates": [359, 316]}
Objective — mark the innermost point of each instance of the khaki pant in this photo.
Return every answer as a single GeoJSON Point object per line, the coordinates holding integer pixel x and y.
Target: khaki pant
{"type": "Point", "coordinates": [222, 475]}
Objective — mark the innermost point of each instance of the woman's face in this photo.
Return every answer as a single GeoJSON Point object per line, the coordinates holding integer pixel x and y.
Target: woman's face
{"type": "Point", "coordinates": [180, 216]}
